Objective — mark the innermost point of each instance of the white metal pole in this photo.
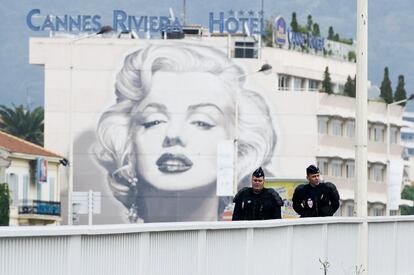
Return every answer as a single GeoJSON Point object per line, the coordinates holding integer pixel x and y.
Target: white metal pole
{"type": "Point", "coordinates": [388, 160]}
{"type": "Point", "coordinates": [90, 207]}
{"type": "Point", "coordinates": [259, 48]}
{"type": "Point", "coordinates": [236, 142]}
{"type": "Point", "coordinates": [184, 13]}
{"type": "Point", "coordinates": [70, 183]}
{"type": "Point", "coordinates": [361, 166]}
{"type": "Point", "coordinates": [229, 45]}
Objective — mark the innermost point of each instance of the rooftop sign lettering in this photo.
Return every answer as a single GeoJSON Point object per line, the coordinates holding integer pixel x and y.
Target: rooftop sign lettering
{"type": "Point", "coordinates": [121, 21]}
{"type": "Point", "coordinates": [241, 21]}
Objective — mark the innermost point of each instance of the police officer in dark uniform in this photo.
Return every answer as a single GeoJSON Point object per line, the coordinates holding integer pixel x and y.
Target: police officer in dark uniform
{"type": "Point", "coordinates": [315, 199]}
{"type": "Point", "coordinates": [257, 202]}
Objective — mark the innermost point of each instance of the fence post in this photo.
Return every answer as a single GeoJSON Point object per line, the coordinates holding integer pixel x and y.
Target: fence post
{"type": "Point", "coordinates": [249, 245]}
{"type": "Point", "coordinates": [201, 257]}
{"type": "Point", "coordinates": [144, 253]}
{"type": "Point", "coordinates": [74, 255]}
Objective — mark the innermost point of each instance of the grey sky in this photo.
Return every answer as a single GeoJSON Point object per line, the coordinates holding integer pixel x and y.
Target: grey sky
{"type": "Point", "coordinates": [390, 42]}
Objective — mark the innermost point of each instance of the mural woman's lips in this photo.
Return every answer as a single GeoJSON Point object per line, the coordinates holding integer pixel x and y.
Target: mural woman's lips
{"type": "Point", "coordinates": [174, 163]}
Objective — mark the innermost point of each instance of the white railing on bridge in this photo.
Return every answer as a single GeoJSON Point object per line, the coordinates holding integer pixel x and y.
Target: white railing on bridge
{"type": "Point", "coordinates": [244, 248]}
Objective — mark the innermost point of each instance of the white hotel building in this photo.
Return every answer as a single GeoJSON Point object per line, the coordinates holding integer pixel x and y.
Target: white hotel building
{"type": "Point", "coordinates": [312, 127]}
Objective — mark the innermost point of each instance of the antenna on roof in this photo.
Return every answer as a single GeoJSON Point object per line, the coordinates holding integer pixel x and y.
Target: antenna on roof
{"type": "Point", "coordinates": [172, 15]}
{"type": "Point", "coordinates": [246, 29]}
{"type": "Point", "coordinates": [29, 101]}
{"type": "Point", "coordinates": [184, 13]}
{"type": "Point", "coordinates": [248, 33]}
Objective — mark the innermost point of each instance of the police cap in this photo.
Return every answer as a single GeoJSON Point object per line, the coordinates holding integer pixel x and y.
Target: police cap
{"type": "Point", "coordinates": [258, 173]}
{"type": "Point", "coordinates": [312, 169]}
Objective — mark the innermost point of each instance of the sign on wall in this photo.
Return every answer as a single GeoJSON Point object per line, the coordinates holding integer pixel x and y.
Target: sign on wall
{"type": "Point", "coordinates": [285, 188]}
{"type": "Point", "coordinates": [280, 30]}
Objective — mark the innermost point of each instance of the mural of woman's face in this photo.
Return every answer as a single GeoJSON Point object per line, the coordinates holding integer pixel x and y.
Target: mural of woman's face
{"type": "Point", "coordinates": [178, 127]}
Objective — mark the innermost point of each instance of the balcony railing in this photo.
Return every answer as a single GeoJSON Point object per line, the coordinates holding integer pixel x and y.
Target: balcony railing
{"type": "Point", "coordinates": [39, 207]}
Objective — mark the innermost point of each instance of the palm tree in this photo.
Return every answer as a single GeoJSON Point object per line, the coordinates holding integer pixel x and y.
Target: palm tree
{"type": "Point", "coordinates": [23, 123]}
{"type": "Point", "coordinates": [4, 204]}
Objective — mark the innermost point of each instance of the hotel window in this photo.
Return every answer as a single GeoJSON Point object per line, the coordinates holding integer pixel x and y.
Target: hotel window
{"type": "Point", "coordinates": [393, 135]}
{"type": "Point", "coordinates": [336, 168]}
{"type": "Point", "coordinates": [323, 166]}
{"type": "Point", "coordinates": [313, 85]}
{"type": "Point", "coordinates": [408, 118]}
{"type": "Point", "coordinates": [369, 132]}
{"type": "Point", "coordinates": [244, 49]}
{"type": "Point", "coordinates": [407, 136]}
{"type": "Point", "coordinates": [336, 125]}
{"type": "Point", "coordinates": [299, 84]}
{"type": "Point", "coordinates": [377, 173]}
{"type": "Point", "coordinates": [378, 133]}
{"type": "Point", "coordinates": [376, 211]}
{"type": "Point", "coordinates": [284, 81]}
{"type": "Point", "coordinates": [350, 129]}
{"type": "Point", "coordinates": [350, 170]}
{"type": "Point", "coordinates": [322, 125]}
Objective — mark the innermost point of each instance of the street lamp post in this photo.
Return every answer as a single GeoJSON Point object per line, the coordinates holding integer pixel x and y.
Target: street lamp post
{"type": "Point", "coordinates": [361, 141]}
{"type": "Point", "coordinates": [103, 30]}
{"type": "Point", "coordinates": [390, 210]}
{"type": "Point", "coordinates": [266, 69]}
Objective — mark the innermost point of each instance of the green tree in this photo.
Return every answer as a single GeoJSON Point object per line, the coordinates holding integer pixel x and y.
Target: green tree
{"type": "Point", "coordinates": [327, 83]}
{"type": "Point", "coordinates": [309, 24]}
{"type": "Point", "coordinates": [315, 30]}
{"type": "Point", "coordinates": [331, 33]}
{"type": "Point", "coordinates": [407, 194]}
{"type": "Point", "coordinates": [336, 37]}
{"type": "Point", "coordinates": [351, 56]}
{"type": "Point", "coordinates": [386, 90]}
{"type": "Point", "coordinates": [4, 204]}
{"type": "Point", "coordinates": [350, 89]}
{"type": "Point", "coordinates": [400, 93]}
{"type": "Point", "coordinates": [348, 41]}
{"type": "Point", "coordinates": [23, 123]}
{"type": "Point", "coordinates": [294, 23]}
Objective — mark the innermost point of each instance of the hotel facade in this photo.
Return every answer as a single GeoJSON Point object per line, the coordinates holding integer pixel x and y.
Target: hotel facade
{"type": "Point", "coordinates": [311, 127]}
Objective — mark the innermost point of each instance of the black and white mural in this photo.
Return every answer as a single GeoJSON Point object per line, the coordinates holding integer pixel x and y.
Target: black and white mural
{"type": "Point", "coordinates": [153, 149]}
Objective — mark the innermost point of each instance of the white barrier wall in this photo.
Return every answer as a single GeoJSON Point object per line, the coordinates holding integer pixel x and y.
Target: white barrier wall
{"type": "Point", "coordinates": [268, 247]}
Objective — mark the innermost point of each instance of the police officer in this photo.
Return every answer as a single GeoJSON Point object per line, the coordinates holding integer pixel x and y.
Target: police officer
{"type": "Point", "coordinates": [257, 202]}
{"type": "Point", "coordinates": [315, 199]}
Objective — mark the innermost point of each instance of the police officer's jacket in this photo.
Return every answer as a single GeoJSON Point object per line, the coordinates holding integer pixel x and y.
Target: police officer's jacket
{"type": "Point", "coordinates": [263, 206]}
{"type": "Point", "coordinates": [319, 201]}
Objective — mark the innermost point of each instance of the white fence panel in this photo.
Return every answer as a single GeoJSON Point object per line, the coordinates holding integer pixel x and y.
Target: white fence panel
{"type": "Point", "coordinates": [286, 247]}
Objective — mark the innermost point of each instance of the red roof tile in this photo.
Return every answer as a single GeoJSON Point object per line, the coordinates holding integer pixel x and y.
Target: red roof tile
{"type": "Point", "coordinates": [18, 145]}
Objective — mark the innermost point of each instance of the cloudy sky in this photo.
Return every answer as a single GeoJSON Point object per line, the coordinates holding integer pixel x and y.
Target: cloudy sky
{"type": "Point", "coordinates": [390, 37]}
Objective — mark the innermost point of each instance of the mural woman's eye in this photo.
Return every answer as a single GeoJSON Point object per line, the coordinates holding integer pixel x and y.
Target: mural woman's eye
{"type": "Point", "coordinates": [202, 125]}
{"type": "Point", "coordinates": [153, 123]}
